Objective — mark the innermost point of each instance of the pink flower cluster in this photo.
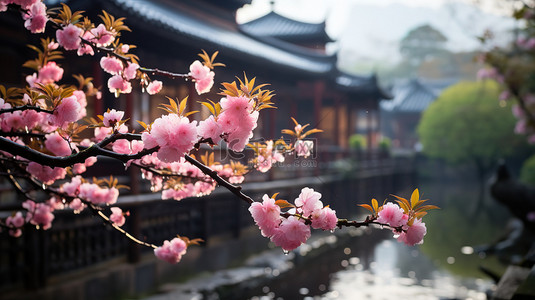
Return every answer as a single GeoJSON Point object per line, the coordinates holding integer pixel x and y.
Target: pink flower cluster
{"type": "Point", "coordinates": [204, 78]}
{"type": "Point", "coordinates": [39, 214]}
{"type": "Point", "coordinates": [119, 82]}
{"type": "Point", "coordinates": [394, 216]}
{"type": "Point", "coordinates": [154, 87]}
{"type": "Point", "coordinates": [172, 251]}
{"type": "Point", "coordinates": [98, 195]}
{"type": "Point", "coordinates": [69, 37]}
{"type": "Point", "coordinates": [289, 233]}
{"type": "Point", "coordinates": [15, 222]}
{"type": "Point", "coordinates": [237, 121]}
{"type": "Point", "coordinates": [46, 174]}
{"type": "Point", "coordinates": [267, 156]}
{"type": "Point", "coordinates": [196, 189]}
{"type": "Point", "coordinates": [112, 117]}
{"type": "Point", "coordinates": [117, 216]}
{"type": "Point", "coordinates": [36, 17]}
{"type": "Point", "coordinates": [68, 111]}
{"type": "Point", "coordinates": [174, 134]}
{"type": "Point", "coordinates": [89, 192]}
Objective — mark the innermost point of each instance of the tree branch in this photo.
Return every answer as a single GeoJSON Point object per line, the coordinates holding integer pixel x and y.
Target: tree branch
{"type": "Point", "coordinates": [235, 189]}
{"type": "Point", "coordinates": [26, 107]}
{"type": "Point", "coordinates": [66, 161]}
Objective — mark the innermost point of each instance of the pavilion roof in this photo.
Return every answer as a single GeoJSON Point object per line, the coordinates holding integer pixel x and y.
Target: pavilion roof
{"type": "Point", "coordinates": [410, 97]}
{"type": "Point", "coordinates": [165, 16]}
{"type": "Point", "coordinates": [283, 28]}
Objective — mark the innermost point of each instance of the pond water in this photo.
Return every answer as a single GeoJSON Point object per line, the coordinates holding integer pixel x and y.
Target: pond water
{"type": "Point", "coordinates": [361, 265]}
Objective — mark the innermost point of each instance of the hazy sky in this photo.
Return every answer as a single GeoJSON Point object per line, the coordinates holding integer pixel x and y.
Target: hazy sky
{"type": "Point", "coordinates": [371, 29]}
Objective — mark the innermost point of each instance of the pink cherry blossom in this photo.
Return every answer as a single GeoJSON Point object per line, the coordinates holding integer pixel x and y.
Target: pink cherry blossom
{"type": "Point", "coordinates": [414, 234]}
{"type": "Point", "coordinates": [154, 87]}
{"type": "Point", "coordinates": [174, 134]}
{"type": "Point", "coordinates": [130, 72]}
{"type": "Point", "coordinates": [111, 117]}
{"type": "Point", "coordinates": [171, 252]}
{"type": "Point", "coordinates": [16, 221]}
{"type": "Point", "coordinates": [102, 36]}
{"type": "Point", "coordinates": [39, 214]}
{"type": "Point", "coordinates": [291, 233]}
{"type": "Point", "coordinates": [266, 215]}
{"type": "Point", "coordinates": [117, 216]}
{"type": "Point", "coordinates": [50, 73]}
{"type": "Point", "coordinates": [31, 79]}
{"type": "Point", "coordinates": [82, 100]}
{"type": "Point", "coordinates": [209, 128]}
{"type": "Point", "coordinates": [122, 146]}
{"type": "Point", "coordinates": [116, 84]}
{"type": "Point", "coordinates": [72, 188]}
{"type": "Point", "coordinates": [77, 205]}
{"type": "Point", "coordinates": [31, 118]}
{"type": "Point", "coordinates": [24, 3]}
{"type": "Point", "coordinates": [324, 219]}
{"type": "Point", "coordinates": [66, 112]}
{"type": "Point", "coordinates": [203, 77]}
{"type": "Point", "coordinates": [36, 17]}
{"type": "Point", "coordinates": [309, 201]}
{"type": "Point", "coordinates": [85, 48]}
{"type": "Point", "coordinates": [57, 144]}
{"type": "Point", "coordinates": [45, 173]}
{"type": "Point", "coordinates": [125, 48]}
{"type": "Point", "coordinates": [102, 132]}
{"type": "Point", "coordinates": [112, 65]}
{"type": "Point", "coordinates": [392, 215]}
{"type": "Point", "coordinates": [204, 85]}
{"type": "Point", "coordinates": [69, 37]}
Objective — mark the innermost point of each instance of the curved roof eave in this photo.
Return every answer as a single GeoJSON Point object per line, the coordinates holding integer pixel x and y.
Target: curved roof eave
{"type": "Point", "coordinates": [187, 25]}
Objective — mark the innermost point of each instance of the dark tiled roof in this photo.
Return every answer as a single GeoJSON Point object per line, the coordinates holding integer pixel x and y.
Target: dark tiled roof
{"type": "Point", "coordinates": [181, 23]}
{"type": "Point", "coordinates": [367, 84]}
{"type": "Point", "coordinates": [277, 26]}
{"type": "Point", "coordinates": [411, 96]}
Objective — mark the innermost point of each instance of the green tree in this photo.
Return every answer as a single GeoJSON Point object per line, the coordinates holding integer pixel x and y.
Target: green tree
{"type": "Point", "coordinates": [466, 125]}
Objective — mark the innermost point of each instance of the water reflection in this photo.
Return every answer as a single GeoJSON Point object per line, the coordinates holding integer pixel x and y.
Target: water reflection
{"type": "Point", "coordinates": [446, 266]}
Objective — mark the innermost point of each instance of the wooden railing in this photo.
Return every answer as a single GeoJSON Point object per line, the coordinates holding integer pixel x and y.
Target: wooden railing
{"type": "Point", "coordinates": [76, 242]}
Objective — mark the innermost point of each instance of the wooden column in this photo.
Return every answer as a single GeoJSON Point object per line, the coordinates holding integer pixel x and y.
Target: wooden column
{"type": "Point", "coordinates": [319, 89]}
{"type": "Point", "coordinates": [337, 138]}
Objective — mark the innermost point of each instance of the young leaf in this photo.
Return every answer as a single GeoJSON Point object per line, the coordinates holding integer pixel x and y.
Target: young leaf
{"type": "Point", "coordinates": [415, 197]}
{"type": "Point", "coordinates": [283, 203]}
{"type": "Point", "coordinates": [375, 205]}
{"type": "Point", "coordinates": [367, 206]}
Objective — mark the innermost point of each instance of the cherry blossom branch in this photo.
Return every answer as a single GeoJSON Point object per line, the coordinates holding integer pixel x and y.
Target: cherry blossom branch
{"type": "Point", "coordinates": [66, 161]}
{"type": "Point", "coordinates": [22, 134]}
{"type": "Point", "coordinates": [347, 223]}
{"type": "Point", "coordinates": [26, 107]}
{"type": "Point", "coordinates": [96, 210]}
{"type": "Point", "coordinates": [164, 73]}
{"type": "Point", "coordinates": [235, 189]}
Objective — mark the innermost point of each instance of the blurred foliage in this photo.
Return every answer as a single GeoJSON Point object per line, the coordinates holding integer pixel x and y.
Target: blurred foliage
{"type": "Point", "coordinates": [385, 143]}
{"type": "Point", "coordinates": [527, 173]}
{"type": "Point", "coordinates": [357, 142]}
{"type": "Point", "coordinates": [466, 124]}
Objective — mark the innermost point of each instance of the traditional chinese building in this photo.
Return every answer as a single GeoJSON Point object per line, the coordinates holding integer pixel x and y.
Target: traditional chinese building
{"type": "Point", "coordinates": [402, 114]}
{"type": "Point", "coordinates": [287, 54]}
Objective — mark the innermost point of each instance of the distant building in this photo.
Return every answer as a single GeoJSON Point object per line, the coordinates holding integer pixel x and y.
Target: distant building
{"type": "Point", "coordinates": [401, 115]}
